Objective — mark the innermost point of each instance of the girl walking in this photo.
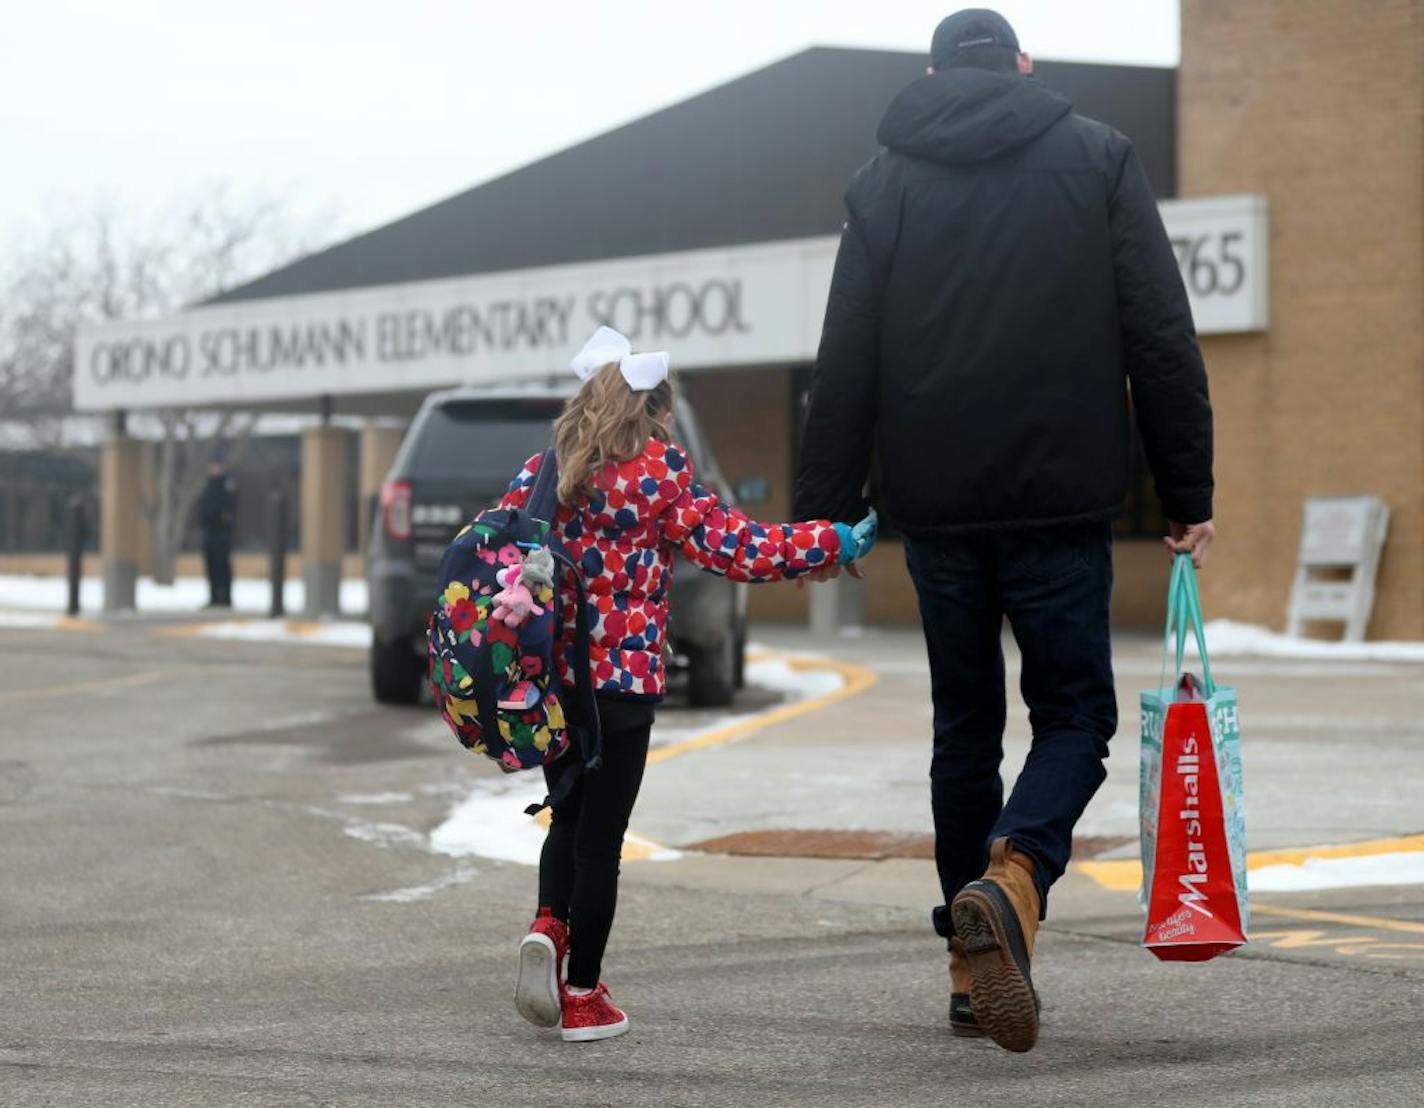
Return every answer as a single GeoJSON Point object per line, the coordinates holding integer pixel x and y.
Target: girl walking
{"type": "Point", "coordinates": [628, 500]}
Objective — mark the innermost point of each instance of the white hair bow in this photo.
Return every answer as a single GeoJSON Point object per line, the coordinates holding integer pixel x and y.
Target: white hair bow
{"type": "Point", "coordinates": [641, 371]}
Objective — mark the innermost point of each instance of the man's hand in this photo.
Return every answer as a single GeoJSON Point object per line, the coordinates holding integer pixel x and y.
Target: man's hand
{"type": "Point", "coordinates": [1193, 539]}
{"type": "Point", "coordinates": [828, 572]}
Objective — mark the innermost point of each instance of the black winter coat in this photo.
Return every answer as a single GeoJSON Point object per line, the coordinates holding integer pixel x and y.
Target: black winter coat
{"type": "Point", "coordinates": [217, 506]}
{"type": "Point", "coordinates": [1002, 276]}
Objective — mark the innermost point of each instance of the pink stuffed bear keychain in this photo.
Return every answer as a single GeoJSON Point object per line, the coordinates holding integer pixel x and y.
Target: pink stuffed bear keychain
{"type": "Point", "coordinates": [513, 604]}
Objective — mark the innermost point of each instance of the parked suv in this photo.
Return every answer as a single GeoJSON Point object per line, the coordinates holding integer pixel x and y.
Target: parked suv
{"type": "Point", "coordinates": [461, 452]}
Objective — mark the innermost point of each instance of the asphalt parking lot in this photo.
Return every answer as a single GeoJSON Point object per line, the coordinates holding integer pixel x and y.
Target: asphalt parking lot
{"type": "Point", "coordinates": [219, 887]}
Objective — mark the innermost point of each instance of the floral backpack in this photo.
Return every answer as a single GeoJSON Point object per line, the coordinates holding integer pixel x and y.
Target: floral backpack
{"type": "Point", "coordinates": [492, 636]}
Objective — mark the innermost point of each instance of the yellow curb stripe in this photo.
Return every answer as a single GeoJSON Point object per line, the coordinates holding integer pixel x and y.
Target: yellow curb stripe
{"type": "Point", "coordinates": [75, 623]}
{"type": "Point", "coordinates": [638, 849]}
{"type": "Point", "coordinates": [50, 692]}
{"type": "Point", "coordinates": [1125, 874]}
{"type": "Point", "coordinates": [192, 630]}
{"type": "Point", "coordinates": [635, 847]}
{"type": "Point", "coordinates": [1404, 844]}
{"type": "Point", "coordinates": [1312, 916]}
{"type": "Point", "coordinates": [297, 628]}
{"type": "Point", "coordinates": [1121, 876]}
{"type": "Point", "coordinates": [857, 680]}
{"type": "Point", "coordinates": [59, 623]}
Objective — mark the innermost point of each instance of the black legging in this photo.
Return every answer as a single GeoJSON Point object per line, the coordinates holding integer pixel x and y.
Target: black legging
{"type": "Point", "coordinates": [578, 869]}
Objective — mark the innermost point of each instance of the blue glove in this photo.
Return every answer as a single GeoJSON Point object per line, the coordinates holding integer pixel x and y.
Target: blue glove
{"type": "Point", "coordinates": [856, 541]}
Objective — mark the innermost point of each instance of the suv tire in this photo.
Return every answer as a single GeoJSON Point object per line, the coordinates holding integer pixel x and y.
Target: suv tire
{"type": "Point", "coordinates": [397, 672]}
{"type": "Point", "coordinates": [712, 673]}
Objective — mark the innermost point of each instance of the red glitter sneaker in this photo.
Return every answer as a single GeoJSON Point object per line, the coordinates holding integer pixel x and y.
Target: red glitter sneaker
{"type": "Point", "coordinates": [540, 984]}
{"type": "Point", "coordinates": [591, 1016]}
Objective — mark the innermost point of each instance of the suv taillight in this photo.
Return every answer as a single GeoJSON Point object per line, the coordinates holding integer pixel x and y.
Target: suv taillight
{"type": "Point", "coordinates": [395, 509]}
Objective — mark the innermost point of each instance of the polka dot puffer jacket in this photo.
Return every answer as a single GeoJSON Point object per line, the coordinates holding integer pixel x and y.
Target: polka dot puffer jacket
{"type": "Point", "coordinates": [624, 535]}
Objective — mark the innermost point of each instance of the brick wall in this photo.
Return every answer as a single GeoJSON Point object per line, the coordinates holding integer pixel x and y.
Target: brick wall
{"type": "Point", "coordinates": [1319, 105]}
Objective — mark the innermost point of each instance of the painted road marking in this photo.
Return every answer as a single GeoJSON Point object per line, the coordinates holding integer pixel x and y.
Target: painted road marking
{"type": "Point", "coordinates": [1356, 943]}
{"type": "Point", "coordinates": [856, 680]}
{"type": "Point", "coordinates": [1350, 946]}
{"type": "Point", "coordinates": [1125, 874]}
{"type": "Point", "coordinates": [1361, 944]}
{"type": "Point", "coordinates": [1314, 916]}
{"type": "Point", "coordinates": [74, 623]}
{"type": "Point", "coordinates": [49, 692]}
{"type": "Point", "coordinates": [196, 628]}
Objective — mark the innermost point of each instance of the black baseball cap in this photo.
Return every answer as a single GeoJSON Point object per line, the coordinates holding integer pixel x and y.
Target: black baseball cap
{"type": "Point", "coordinates": [967, 30]}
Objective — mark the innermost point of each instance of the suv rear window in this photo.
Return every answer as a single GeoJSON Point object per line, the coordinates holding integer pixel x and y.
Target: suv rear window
{"type": "Point", "coordinates": [481, 441]}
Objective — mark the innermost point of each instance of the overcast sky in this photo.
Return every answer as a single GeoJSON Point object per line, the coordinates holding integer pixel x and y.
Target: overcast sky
{"type": "Point", "coordinates": [369, 109]}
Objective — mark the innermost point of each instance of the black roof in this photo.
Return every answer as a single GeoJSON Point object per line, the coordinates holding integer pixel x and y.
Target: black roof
{"type": "Point", "coordinates": [763, 157]}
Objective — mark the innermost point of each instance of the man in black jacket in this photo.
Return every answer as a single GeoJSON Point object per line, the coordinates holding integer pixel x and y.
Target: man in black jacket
{"type": "Point", "coordinates": [1003, 283]}
{"type": "Point", "coordinates": [216, 511]}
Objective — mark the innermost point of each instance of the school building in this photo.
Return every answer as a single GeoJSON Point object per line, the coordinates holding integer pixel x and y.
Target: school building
{"type": "Point", "coordinates": [1288, 153]}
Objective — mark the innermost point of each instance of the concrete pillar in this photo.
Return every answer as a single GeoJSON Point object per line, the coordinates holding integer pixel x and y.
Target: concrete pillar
{"type": "Point", "coordinates": [148, 496]}
{"type": "Point", "coordinates": [120, 517]}
{"type": "Point", "coordinates": [836, 605]}
{"type": "Point", "coordinates": [323, 516]}
{"type": "Point", "coordinates": [380, 440]}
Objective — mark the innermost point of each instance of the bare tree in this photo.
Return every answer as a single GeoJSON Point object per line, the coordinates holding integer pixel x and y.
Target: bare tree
{"type": "Point", "coordinates": [96, 268]}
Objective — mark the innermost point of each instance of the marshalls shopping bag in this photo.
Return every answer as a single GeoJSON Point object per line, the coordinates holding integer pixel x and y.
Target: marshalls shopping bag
{"type": "Point", "coordinates": [1193, 827]}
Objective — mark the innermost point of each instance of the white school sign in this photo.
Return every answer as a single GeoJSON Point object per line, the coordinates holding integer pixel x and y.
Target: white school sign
{"type": "Point", "coordinates": [745, 305]}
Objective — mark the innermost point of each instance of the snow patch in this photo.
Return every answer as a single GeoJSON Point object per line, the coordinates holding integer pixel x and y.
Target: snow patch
{"type": "Point", "coordinates": [384, 835]}
{"type": "Point", "coordinates": [1225, 637]}
{"type": "Point", "coordinates": [29, 621]}
{"type": "Point", "coordinates": [187, 594]}
{"type": "Point", "coordinates": [327, 633]}
{"type": "Point", "coordinates": [490, 822]}
{"type": "Point", "coordinates": [800, 684]}
{"type": "Point", "coordinates": [423, 892]}
{"type": "Point", "coordinates": [1406, 868]}
{"type": "Point", "coordinates": [374, 798]}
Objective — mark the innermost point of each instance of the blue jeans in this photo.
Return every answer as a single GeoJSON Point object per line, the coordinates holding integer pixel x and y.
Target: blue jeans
{"type": "Point", "coordinates": [1054, 585]}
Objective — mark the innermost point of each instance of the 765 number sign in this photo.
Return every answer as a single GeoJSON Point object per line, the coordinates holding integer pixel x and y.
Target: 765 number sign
{"type": "Point", "coordinates": [1211, 264]}
{"type": "Point", "coordinates": [1222, 246]}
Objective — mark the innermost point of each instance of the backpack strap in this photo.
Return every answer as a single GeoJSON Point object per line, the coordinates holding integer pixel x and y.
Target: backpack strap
{"type": "Point", "coordinates": [543, 505]}
{"type": "Point", "coordinates": [543, 502]}
{"type": "Point", "coordinates": [590, 735]}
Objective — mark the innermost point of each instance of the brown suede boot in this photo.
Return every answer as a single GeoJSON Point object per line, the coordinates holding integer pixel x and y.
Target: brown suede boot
{"type": "Point", "coordinates": [996, 918]}
{"type": "Point", "coordinates": [961, 1010]}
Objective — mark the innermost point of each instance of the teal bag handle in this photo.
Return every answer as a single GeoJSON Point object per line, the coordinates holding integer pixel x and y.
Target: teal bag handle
{"type": "Point", "coordinates": [1191, 603]}
{"type": "Point", "coordinates": [1184, 611]}
{"type": "Point", "coordinates": [1174, 594]}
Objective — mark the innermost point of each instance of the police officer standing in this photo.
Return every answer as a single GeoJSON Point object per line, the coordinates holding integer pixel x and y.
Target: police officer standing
{"type": "Point", "coordinates": [216, 512]}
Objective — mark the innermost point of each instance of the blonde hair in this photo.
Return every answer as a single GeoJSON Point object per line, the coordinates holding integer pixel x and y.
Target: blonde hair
{"type": "Point", "coordinates": [605, 421]}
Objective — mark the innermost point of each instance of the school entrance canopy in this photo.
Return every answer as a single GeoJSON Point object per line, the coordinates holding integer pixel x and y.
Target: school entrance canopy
{"type": "Point", "coordinates": [708, 228]}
